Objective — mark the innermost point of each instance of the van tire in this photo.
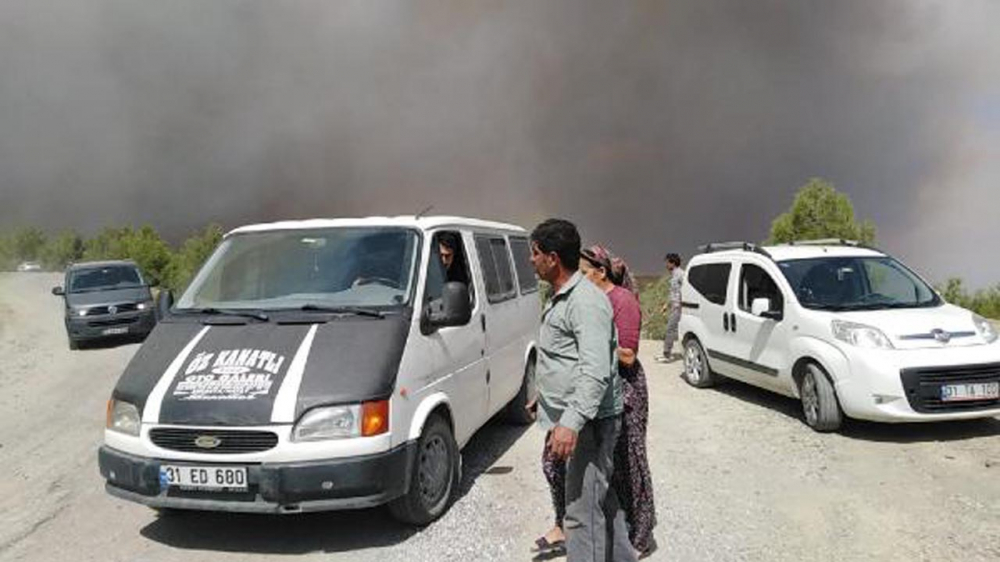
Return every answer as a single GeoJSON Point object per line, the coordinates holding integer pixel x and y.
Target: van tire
{"type": "Point", "coordinates": [697, 371]}
{"type": "Point", "coordinates": [73, 344]}
{"type": "Point", "coordinates": [517, 410]}
{"type": "Point", "coordinates": [819, 399]}
{"type": "Point", "coordinates": [434, 476]}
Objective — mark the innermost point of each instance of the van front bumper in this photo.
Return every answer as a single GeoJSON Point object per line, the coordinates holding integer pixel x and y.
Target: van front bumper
{"type": "Point", "coordinates": [334, 484]}
{"type": "Point", "coordinates": [138, 323]}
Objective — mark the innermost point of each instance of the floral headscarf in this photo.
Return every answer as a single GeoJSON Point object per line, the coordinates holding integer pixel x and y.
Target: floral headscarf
{"type": "Point", "coordinates": [618, 270]}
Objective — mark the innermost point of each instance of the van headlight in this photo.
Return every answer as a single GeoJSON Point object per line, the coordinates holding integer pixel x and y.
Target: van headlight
{"type": "Point", "coordinates": [985, 328]}
{"type": "Point", "coordinates": [123, 417]}
{"type": "Point", "coordinates": [340, 422]}
{"type": "Point", "coordinates": [860, 335]}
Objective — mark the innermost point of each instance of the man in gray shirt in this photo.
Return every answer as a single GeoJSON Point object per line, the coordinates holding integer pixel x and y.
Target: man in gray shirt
{"type": "Point", "coordinates": [672, 307]}
{"type": "Point", "coordinates": [580, 395]}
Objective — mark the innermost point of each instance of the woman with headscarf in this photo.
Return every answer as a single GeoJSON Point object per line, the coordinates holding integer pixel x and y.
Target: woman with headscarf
{"type": "Point", "coordinates": [631, 478]}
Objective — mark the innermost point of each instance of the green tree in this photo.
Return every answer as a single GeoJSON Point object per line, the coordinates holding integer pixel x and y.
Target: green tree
{"type": "Point", "coordinates": [62, 250]}
{"type": "Point", "coordinates": [820, 211]}
{"type": "Point", "coordinates": [192, 254]}
{"type": "Point", "coordinates": [144, 246]}
{"type": "Point", "coordinates": [28, 244]}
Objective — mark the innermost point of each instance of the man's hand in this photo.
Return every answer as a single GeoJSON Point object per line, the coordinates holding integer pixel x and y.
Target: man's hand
{"type": "Point", "coordinates": [562, 442]}
{"type": "Point", "coordinates": [532, 408]}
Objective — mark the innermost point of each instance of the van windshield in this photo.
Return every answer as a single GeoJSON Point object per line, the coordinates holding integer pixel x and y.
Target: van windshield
{"type": "Point", "coordinates": [284, 269]}
{"type": "Point", "coordinates": [857, 283]}
{"type": "Point", "coordinates": [103, 278]}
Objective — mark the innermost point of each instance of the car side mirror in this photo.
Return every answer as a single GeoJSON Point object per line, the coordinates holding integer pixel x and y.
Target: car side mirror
{"type": "Point", "coordinates": [762, 308]}
{"type": "Point", "coordinates": [58, 291]}
{"type": "Point", "coordinates": [452, 309]}
{"type": "Point", "coordinates": [164, 303]}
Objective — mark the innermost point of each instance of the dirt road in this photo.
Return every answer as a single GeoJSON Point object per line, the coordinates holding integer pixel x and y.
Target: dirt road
{"type": "Point", "coordinates": [737, 476]}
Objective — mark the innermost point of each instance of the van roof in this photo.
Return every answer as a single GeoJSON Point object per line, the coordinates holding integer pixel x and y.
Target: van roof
{"type": "Point", "coordinates": [407, 221]}
{"type": "Point", "coordinates": [103, 263]}
{"type": "Point", "coordinates": [796, 252]}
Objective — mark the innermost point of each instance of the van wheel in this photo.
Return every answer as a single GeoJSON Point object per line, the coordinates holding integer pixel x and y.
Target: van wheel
{"type": "Point", "coordinates": [73, 344]}
{"type": "Point", "coordinates": [697, 373]}
{"type": "Point", "coordinates": [517, 410]}
{"type": "Point", "coordinates": [434, 476]}
{"type": "Point", "coordinates": [819, 400]}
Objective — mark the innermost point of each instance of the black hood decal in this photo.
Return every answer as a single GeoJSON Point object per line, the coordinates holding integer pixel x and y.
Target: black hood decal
{"type": "Point", "coordinates": [261, 373]}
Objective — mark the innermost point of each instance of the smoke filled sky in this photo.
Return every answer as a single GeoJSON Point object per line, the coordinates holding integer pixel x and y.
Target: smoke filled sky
{"type": "Point", "coordinates": [654, 125]}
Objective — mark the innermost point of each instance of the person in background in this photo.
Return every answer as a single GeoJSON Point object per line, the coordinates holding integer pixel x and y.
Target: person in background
{"type": "Point", "coordinates": [672, 308]}
{"type": "Point", "coordinates": [632, 479]}
{"type": "Point", "coordinates": [579, 398]}
{"type": "Point", "coordinates": [450, 249]}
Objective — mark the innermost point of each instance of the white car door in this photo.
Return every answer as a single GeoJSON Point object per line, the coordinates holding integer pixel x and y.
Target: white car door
{"type": "Point", "coordinates": [760, 342]}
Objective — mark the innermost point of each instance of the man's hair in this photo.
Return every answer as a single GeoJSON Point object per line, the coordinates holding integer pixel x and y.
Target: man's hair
{"type": "Point", "coordinates": [559, 236]}
{"type": "Point", "coordinates": [449, 240]}
{"type": "Point", "coordinates": [674, 259]}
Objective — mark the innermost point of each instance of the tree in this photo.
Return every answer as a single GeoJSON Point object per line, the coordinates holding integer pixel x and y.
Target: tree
{"type": "Point", "coordinates": [820, 211]}
{"type": "Point", "coordinates": [28, 244]}
{"type": "Point", "coordinates": [62, 250]}
{"type": "Point", "coordinates": [192, 254]}
{"type": "Point", "coordinates": [144, 246]}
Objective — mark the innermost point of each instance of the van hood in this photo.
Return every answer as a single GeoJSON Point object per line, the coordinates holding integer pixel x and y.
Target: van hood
{"type": "Point", "coordinates": [922, 328]}
{"type": "Point", "coordinates": [261, 373]}
{"type": "Point", "coordinates": [110, 296]}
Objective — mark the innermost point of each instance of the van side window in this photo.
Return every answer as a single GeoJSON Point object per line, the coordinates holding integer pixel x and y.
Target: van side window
{"type": "Point", "coordinates": [711, 280]}
{"type": "Point", "coordinates": [448, 264]}
{"type": "Point", "coordinates": [495, 261]}
{"type": "Point", "coordinates": [526, 279]}
{"type": "Point", "coordinates": [755, 283]}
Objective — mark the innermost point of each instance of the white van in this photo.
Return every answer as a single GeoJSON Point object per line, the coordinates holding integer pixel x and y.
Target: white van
{"type": "Point", "coordinates": [328, 364]}
{"type": "Point", "coordinates": [845, 328]}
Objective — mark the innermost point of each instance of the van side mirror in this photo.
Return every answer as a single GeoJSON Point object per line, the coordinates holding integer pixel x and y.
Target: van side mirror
{"type": "Point", "coordinates": [762, 308]}
{"type": "Point", "coordinates": [58, 291]}
{"type": "Point", "coordinates": [164, 303]}
{"type": "Point", "coordinates": [452, 309]}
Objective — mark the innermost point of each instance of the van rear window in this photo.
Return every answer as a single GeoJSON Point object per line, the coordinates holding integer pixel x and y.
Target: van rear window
{"type": "Point", "coordinates": [711, 280]}
{"type": "Point", "coordinates": [495, 261]}
{"type": "Point", "coordinates": [526, 279]}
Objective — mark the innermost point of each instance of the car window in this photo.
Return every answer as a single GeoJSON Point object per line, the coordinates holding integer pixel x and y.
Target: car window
{"type": "Point", "coordinates": [526, 279]}
{"type": "Point", "coordinates": [458, 272]}
{"type": "Point", "coordinates": [755, 283]}
{"type": "Point", "coordinates": [711, 280]}
{"type": "Point", "coordinates": [494, 259]}
{"type": "Point", "coordinates": [108, 277]}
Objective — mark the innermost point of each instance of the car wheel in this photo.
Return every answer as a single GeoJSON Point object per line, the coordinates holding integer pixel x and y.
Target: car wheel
{"type": "Point", "coordinates": [697, 373]}
{"type": "Point", "coordinates": [434, 476]}
{"type": "Point", "coordinates": [819, 400]}
{"type": "Point", "coordinates": [517, 410]}
{"type": "Point", "coordinates": [74, 344]}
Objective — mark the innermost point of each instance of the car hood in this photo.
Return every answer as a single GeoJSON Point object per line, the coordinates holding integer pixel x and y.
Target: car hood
{"type": "Point", "coordinates": [922, 328]}
{"type": "Point", "coordinates": [261, 373]}
{"type": "Point", "coordinates": [110, 296]}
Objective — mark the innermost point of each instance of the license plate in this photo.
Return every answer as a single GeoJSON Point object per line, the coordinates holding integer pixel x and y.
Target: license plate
{"type": "Point", "coordinates": [204, 477]}
{"type": "Point", "coordinates": [114, 331]}
{"type": "Point", "coordinates": [974, 391]}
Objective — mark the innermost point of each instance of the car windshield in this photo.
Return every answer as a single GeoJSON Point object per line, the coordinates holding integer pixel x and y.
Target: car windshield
{"type": "Point", "coordinates": [103, 278]}
{"type": "Point", "coordinates": [292, 269]}
{"type": "Point", "coordinates": [857, 283]}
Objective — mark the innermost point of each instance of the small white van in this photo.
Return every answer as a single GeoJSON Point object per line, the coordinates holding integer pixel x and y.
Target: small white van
{"type": "Point", "coordinates": [328, 364]}
{"type": "Point", "coordinates": [845, 328]}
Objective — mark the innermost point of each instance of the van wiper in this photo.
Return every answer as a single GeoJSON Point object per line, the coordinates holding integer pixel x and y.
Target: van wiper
{"type": "Point", "coordinates": [355, 310]}
{"type": "Point", "coordinates": [255, 314]}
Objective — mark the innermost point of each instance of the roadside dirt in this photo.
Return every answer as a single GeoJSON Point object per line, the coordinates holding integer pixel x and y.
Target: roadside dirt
{"type": "Point", "coordinates": [737, 477]}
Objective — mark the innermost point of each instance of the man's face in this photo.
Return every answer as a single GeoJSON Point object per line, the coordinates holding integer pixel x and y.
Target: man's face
{"type": "Point", "coordinates": [447, 255]}
{"type": "Point", "coordinates": [545, 264]}
{"type": "Point", "coordinates": [670, 266]}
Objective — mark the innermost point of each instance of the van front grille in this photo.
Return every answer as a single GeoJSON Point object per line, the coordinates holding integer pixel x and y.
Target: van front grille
{"type": "Point", "coordinates": [923, 387]}
{"type": "Point", "coordinates": [214, 441]}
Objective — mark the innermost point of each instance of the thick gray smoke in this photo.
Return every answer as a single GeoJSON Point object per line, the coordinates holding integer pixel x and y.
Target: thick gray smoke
{"type": "Point", "coordinates": [655, 125]}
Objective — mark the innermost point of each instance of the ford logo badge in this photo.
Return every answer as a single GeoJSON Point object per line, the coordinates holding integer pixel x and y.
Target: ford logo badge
{"type": "Point", "coordinates": [207, 441]}
{"type": "Point", "coordinates": [941, 335]}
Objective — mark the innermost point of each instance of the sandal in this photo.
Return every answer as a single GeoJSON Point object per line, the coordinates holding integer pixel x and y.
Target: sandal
{"type": "Point", "coordinates": [543, 546]}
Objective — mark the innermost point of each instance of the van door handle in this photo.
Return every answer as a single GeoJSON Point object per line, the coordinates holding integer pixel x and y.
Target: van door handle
{"type": "Point", "coordinates": [482, 321]}
{"type": "Point", "coordinates": [725, 321]}
{"type": "Point", "coordinates": [732, 321]}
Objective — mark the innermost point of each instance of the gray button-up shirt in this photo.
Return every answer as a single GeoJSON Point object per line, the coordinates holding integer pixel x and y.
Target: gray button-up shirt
{"type": "Point", "coordinates": [676, 282]}
{"type": "Point", "coordinates": [577, 374]}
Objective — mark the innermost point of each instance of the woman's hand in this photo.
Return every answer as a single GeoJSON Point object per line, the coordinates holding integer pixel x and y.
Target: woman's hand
{"type": "Point", "coordinates": [626, 356]}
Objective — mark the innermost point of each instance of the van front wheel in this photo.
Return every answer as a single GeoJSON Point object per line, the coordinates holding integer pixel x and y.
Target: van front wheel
{"type": "Point", "coordinates": [433, 477]}
{"type": "Point", "coordinates": [819, 400]}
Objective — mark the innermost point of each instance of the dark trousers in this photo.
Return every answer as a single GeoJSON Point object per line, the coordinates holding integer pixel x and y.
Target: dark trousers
{"type": "Point", "coordinates": [595, 522]}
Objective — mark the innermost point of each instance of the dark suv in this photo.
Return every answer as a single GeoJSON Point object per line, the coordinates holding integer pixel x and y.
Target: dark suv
{"type": "Point", "coordinates": [107, 299]}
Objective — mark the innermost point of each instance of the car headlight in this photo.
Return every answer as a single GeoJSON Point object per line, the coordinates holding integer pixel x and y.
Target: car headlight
{"type": "Point", "coordinates": [985, 328]}
{"type": "Point", "coordinates": [144, 305]}
{"type": "Point", "coordinates": [340, 422]}
{"type": "Point", "coordinates": [860, 335]}
{"type": "Point", "coordinates": [123, 417]}
{"type": "Point", "coordinates": [79, 311]}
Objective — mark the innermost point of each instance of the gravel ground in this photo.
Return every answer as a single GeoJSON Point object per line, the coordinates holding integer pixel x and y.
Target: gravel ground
{"type": "Point", "coordinates": [737, 477]}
